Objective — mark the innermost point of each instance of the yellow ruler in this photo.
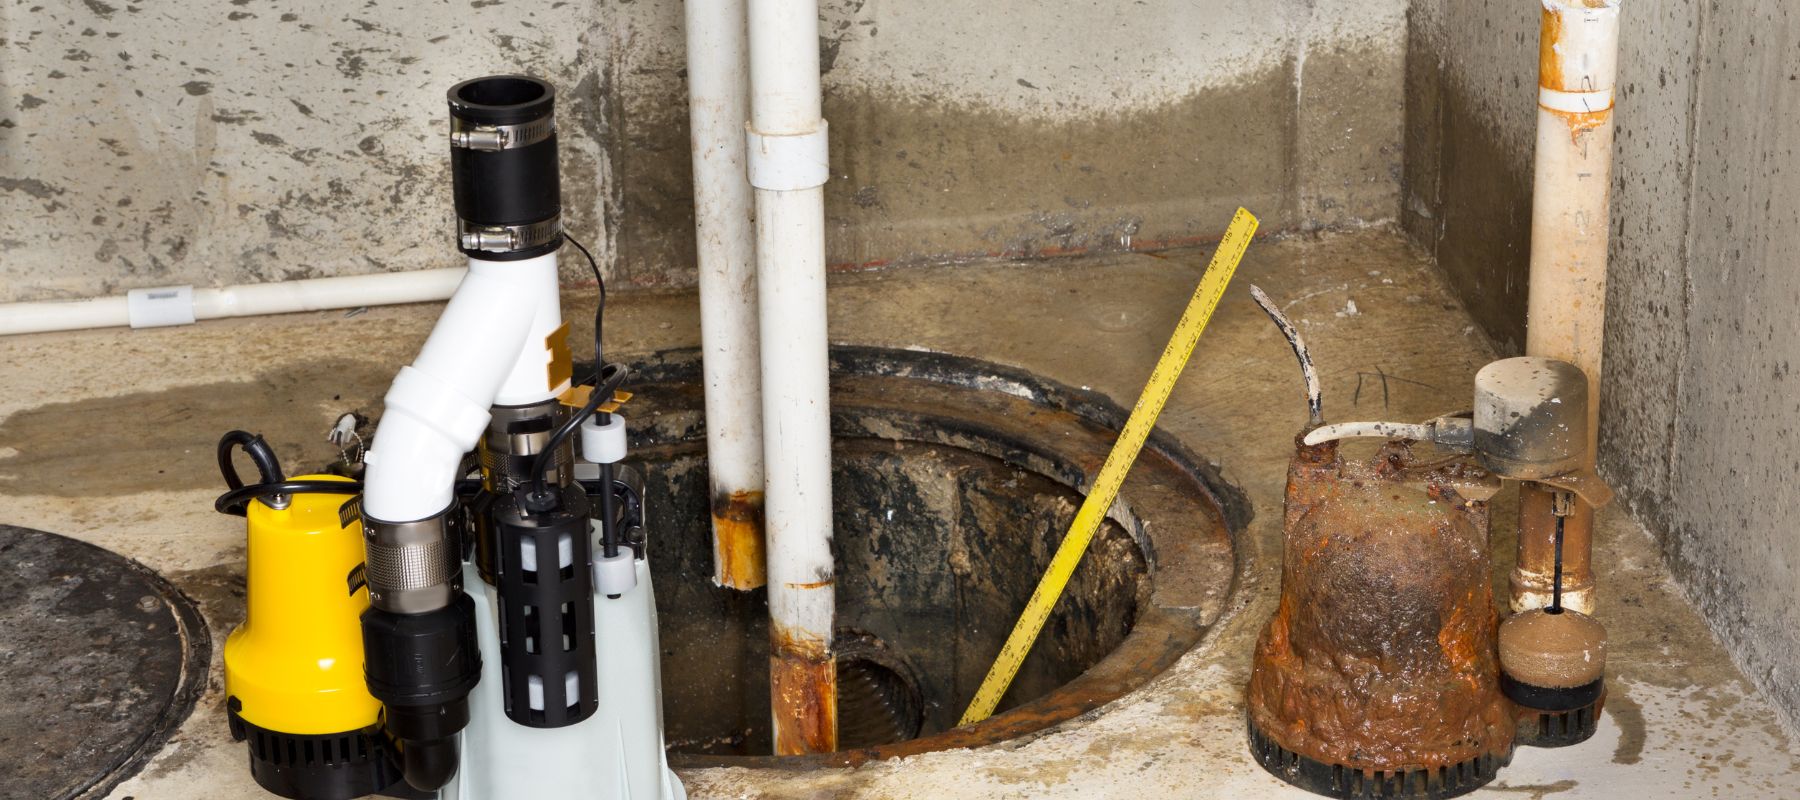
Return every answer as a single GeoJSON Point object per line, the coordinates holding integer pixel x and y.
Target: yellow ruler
{"type": "Point", "coordinates": [1112, 474]}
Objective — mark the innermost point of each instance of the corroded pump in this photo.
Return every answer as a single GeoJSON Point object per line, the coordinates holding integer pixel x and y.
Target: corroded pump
{"type": "Point", "coordinates": [1377, 676]}
{"type": "Point", "coordinates": [1385, 672]}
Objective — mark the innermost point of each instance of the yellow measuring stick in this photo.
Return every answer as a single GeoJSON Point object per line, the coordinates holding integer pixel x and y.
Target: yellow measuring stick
{"type": "Point", "coordinates": [1112, 474]}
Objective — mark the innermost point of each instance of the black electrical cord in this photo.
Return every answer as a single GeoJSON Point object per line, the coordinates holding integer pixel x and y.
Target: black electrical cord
{"type": "Point", "coordinates": [237, 501]}
{"type": "Point", "coordinates": [600, 306]}
{"type": "Point", "coordinates": [1556, 578]}
{"type": "Point", "coordinates": [604, 383]}
{"type": "Point", "coordinates": [253, 445]}
{"type": "Point", "coordinates": [607, 379]}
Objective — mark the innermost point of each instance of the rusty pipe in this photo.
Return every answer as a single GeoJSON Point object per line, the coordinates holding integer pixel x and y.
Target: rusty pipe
{"type": "Point", "coordinates": [1534, 575]}
{"type": "Point", "coordinates": [1577, 69]}
{"type": "Point", "coordinates": [788, 164]}
{"type": "Point", "coordinates": [725, 250]}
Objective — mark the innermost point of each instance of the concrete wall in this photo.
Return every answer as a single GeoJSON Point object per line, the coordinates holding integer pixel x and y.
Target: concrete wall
{"type": "Point", "coordinates": [1702, 336]}
{"type": "Point", "coordinates": [148, 144]}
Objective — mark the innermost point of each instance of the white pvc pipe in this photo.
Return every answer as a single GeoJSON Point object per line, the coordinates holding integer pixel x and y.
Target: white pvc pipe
{"type": "Point", "coordinates": [489, 348]}
{"type": "Point", "coordinates": [787, 166]}
{"type": "Point", "coordinates": [718, 105]}
{"type": "Point", "coordinates": [177, 305]}
{"type": "Point", "coordinates": [1570, 222]}
{"type": "Point", "coordinates": [1572, 188]}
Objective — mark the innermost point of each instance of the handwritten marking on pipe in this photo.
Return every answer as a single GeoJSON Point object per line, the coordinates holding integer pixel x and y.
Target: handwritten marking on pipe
{"type": "Point", "coordinates": [1106, 484]}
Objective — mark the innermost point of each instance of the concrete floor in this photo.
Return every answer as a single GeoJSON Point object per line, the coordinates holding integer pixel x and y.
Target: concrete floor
{"type": "Point", "coordinates": [1681, 720]}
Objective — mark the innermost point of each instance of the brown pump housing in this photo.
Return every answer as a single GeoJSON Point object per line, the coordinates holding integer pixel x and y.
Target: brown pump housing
{"type": "Point", "coordinates": [1377, 675]}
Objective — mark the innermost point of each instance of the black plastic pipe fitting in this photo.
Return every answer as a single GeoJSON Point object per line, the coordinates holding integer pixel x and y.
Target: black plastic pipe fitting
{"type": "Point", "coordinates": [503, 167]}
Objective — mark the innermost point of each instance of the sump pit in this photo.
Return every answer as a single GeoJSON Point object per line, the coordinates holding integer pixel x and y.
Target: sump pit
{"type": "Point", "coordinates": [953, 481]}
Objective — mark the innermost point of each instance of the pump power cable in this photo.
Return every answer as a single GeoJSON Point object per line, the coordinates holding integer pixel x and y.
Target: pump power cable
{"type": "Point", "coordinates": [1106, 485]}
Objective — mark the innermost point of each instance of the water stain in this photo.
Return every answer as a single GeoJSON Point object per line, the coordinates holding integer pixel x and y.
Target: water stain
{"type": "Point", "coordinates": [1467, 193]}
{"type": "Point", "coordinates": [218, 590]}
{"type": "Point", "coordinates": [1629, 716]}
{"type": "Point", "coordinates": [924, 179]}
{"type": "Point", "coordinates": [163, 440]}
{"type": "Point", "coordinates": [1536, 791]}
{"type": "Point", "coordinates": [964, 180]}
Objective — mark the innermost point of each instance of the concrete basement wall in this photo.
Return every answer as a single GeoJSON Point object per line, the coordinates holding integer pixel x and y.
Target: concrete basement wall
{"type": "Point", "coordinates": [1702, 404]}
{"type": "Point", "coordinates": [151, 144]}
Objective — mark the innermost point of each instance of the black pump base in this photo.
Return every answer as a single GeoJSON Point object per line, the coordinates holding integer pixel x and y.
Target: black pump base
{"type": "Point", "coordinates": [334, 766]}
{"type": "Point", "coordinates": [1333, 780]}
{"type": "Point", "coordinates": [1555, 717]}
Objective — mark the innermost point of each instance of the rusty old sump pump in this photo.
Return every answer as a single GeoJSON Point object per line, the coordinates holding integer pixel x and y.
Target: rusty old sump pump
{"type": "Point", "coordinates": [1385, 671]}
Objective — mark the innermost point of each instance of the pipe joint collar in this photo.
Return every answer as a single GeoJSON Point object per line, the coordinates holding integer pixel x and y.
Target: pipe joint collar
{"type": "Point", "coordinates": [504, 168]}
{"type": "Point", "coordinates": [160, 307]}
{"type": "Point", "coordinates": [413, 567]}
{"type": "Point", "coordinates": [788, 162]}
{"type": "Point", "coordinates": [439, 405]}
{"type": "Point", "coordinates": [1576, 102]}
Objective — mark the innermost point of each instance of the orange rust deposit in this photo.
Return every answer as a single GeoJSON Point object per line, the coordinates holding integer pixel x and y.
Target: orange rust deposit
{"type": "Point", "coordinates": [1582, 123]}
{"type": "Point", "coordinates": [1381, 655]}
{"type": "Point", "coordinates": [803, 695]}
{"type": "Point", "coordinates": [1550, 73]}
{"type": "Point", "coordinates": [738, 540]}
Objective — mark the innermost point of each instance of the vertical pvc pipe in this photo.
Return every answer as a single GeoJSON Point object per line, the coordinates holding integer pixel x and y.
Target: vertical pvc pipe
{"type": "Point", "coordinates": [1577, 68]}
{"type": "Point", "coordinates": [718, 105]}
{"type": "Point", "coordinates": [787, 166]}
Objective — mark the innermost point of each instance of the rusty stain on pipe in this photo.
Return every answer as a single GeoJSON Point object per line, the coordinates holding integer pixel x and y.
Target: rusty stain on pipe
{"type": "Point", "coordinates": [738, 550]}
{"type": "Point", "coordinates": [803, 693]}
{"type": "Point", "coordinates": [1577, 70]}
{"type": "Point", "coordinates": [1533, 578]}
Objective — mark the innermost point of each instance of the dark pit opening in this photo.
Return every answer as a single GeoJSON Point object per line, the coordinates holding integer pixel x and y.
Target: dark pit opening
{"type": "Point", "coordinates": [501, 91]}
{"type": "Point", "coordinates": [954, 480]}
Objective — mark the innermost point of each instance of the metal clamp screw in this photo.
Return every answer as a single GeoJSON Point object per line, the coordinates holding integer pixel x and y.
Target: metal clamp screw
{"type": "Point", "coordinates": [476, 136]}
{"type": "Point", "coordinates": [498, 239]}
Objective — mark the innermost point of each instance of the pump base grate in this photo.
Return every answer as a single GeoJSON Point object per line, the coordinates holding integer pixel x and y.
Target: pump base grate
{"type": "Point", "coordinates": [1334, 780]}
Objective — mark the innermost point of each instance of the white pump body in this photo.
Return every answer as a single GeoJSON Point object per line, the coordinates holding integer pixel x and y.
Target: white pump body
{"type": "Point", "coordinates": [489, 348]}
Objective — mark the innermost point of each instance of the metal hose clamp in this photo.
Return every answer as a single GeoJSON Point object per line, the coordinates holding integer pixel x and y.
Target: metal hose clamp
{"type": "Point", "coordinates": [413, 567]}
{"type": "Point", "coordinates": [478, 136]}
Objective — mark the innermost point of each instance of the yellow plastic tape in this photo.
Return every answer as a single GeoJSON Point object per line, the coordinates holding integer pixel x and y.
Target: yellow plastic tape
{"type": "Point", "coordinates": [1112, 474]}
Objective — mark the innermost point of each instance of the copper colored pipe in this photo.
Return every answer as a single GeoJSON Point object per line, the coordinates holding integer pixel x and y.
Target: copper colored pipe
{"type": "Point", "coordinates": [1534, 576]}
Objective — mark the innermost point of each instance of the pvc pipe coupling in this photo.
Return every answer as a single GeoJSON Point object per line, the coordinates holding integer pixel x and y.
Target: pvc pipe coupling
{"type": "Point", "coordinates": [788, 162]}
{"type": "Point", "coordinates": [503, 167]}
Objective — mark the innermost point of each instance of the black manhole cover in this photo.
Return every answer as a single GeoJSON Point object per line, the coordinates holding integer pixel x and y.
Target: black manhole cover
{"type": "Point", "coordinates": [100, 661]}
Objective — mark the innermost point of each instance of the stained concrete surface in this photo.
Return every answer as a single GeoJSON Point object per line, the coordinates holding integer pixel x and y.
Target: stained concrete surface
{"type": "Point", "coordinates": [1697, 402]}
{"type": "Point", "coordinates": [103, 661]}
{"type": "Point", "coordinates": [1681, 722]}
{"type": "Point", "coordinates": [156, 144]}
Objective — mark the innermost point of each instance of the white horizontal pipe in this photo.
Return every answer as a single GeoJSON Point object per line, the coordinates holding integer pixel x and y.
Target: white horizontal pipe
{"type": "Point", "coordinates": [63, 315]}
{"type": "Point", "coordinates": [718, 105]}
{"type": "Point", "coordinates": [284, 297]}
{"type": "Point", "coordinates": [487, 349]}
